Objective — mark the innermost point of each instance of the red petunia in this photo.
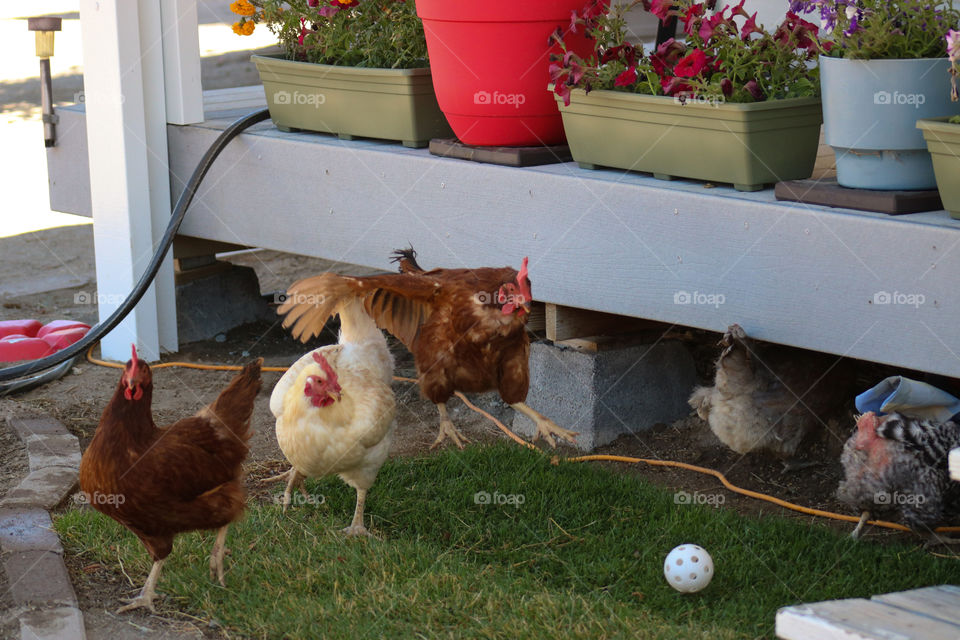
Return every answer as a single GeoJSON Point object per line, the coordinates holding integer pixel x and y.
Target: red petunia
{"type": "Point", "coordinates": [626, 78]}
{"type": "Point", "coordinates": [691, 65]}
{"type": "Point", "coordinates": [709, 25]}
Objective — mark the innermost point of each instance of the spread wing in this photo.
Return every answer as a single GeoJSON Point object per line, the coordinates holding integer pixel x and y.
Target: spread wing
{"type": "Point", "coordinates": [399, 303]}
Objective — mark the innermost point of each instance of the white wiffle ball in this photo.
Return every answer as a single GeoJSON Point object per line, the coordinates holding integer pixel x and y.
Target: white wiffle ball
{"type": "Point", "coordinates": [688, 568]}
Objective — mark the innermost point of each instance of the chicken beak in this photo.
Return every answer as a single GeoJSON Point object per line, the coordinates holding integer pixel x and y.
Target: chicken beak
{"type": "Point", "coordinates": [334, 395]}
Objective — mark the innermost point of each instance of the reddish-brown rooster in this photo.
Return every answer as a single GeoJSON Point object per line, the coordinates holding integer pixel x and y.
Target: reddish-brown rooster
{"type": "Point", "coordinates": [158, 482]}
{"type": "Point", "coordinates": [466, 328]}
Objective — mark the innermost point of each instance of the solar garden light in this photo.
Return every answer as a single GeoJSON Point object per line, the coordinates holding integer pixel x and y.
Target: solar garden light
{"type": "Point", "coordinates": [45, 28]}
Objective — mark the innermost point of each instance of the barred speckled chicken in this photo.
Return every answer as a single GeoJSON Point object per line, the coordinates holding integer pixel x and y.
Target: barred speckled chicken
{"type": "Point", "coordinates": [772, 398]}
{"type": "Point", "coordinates": [895, 467]}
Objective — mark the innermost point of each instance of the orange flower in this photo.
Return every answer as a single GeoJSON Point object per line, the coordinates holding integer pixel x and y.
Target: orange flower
{"type": "Point", "coordinates": [244, 27]}
{"type": "Point", "coordinates": [243, 8]}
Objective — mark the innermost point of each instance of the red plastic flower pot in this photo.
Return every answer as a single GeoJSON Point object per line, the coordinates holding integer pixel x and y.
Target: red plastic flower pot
{"type": "Point", "coordinates": [489, 62]}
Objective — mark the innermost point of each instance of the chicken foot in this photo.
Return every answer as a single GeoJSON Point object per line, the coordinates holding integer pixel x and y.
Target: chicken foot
{"type": "Point", "coordinates": [148, 593]}
{"type": "Point", "coordinates": [294, 479]}
{"type": "Point", "coordinates": [546, 428]}
{"type": "Point", "coordinates": [447, 430]}
{"type": "Point", "coordinates": [356, 527]}
{"type": "Point", "coordinates": [216, 555]}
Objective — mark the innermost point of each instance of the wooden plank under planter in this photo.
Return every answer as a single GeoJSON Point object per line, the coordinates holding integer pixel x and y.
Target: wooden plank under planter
{"type": "Point", "coordinates": [830, 194]}
{"type": "Point", "coordinates": [943, 142]}
{"type": "Point", "coordinates": [506, 156]}
{"type": "Point", "coordinates": [748, 145]}
{"type": "Point", "coordinates": [391, 104]}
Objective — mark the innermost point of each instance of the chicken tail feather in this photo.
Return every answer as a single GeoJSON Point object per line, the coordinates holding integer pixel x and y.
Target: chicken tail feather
{"type": "Point", "coordinates": [406, 260]}
{"type": "Point", "coordinates": [310, 302]}
{"type": "Point", "coordinates": [234, 406]}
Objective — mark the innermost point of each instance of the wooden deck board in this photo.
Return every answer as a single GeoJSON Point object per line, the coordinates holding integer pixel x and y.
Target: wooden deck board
{"type": "Point", "coordinates": [930, 613]}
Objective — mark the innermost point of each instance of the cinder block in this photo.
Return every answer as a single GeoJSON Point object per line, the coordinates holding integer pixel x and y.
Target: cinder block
{"type": "Point", "coordinates": [216, 303]}
{"type": "Point", "coordinates": [61, 623]}
{"type": "Point", "coordinates": [619, 389]}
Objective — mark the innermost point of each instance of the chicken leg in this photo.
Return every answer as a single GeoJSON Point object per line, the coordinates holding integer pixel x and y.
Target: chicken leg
{"type": "Point", "coordinates": [148, 593]}
{"type": "Point", "coordinates": [356, 527]}
{"type": "Point", "coordinates": [294, 479]}
{"type": "Point", "coordinates": [216, 555]}
{"type": "Point", "coordinates": [447, 430]}
{"type": "Point", "coordinates": [546, 428]}
{"type": "Point", "coordinates": [863, 520]}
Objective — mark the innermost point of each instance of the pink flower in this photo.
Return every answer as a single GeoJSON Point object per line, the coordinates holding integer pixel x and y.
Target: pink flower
{"type": "Point", "coordinates": [750, 27]}
{"type": "Point", "coordinates": [660, 8]}
{"type": "Point", "coordinates": [953, 45]}
{"type": "Point", "coordinates": [708, 26]}
{"type": "Point", "coordinates": [754, 90]}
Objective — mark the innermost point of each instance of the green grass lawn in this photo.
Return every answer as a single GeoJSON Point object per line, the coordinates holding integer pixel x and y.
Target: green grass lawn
{"type": "Point", "coordinates": [581, 557]}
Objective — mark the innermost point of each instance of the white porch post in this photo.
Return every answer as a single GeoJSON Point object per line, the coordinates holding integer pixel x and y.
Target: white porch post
{"type": "Point", "coordinates": [124, 88]}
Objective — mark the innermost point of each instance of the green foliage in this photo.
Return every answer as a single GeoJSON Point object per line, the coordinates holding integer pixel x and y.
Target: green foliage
{"type": "Point", "coordinates": [725, 55]}
{"type": "Point", "coordinates": [371, 33]}
{"type": "Point", "coordinates": [885, 29]}
{"type": "Point", "coordinates": [582, 556]}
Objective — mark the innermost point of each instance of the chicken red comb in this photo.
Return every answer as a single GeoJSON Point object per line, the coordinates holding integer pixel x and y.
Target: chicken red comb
{"type": "Point", "coordinates": [522, 278]}
{"type": "Point", "coordinates": [133, 356]}
{"type": "Point", "coordinates": [327, 369]}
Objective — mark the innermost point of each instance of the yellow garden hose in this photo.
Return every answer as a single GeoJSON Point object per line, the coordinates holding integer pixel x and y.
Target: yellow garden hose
{"type": "Point", "coordinates": [590, 458]}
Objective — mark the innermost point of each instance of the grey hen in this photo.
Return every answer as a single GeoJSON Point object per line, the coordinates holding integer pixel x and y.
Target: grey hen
{"type": "Point", "coordinates": [895, 467]}
{"type": "Point", "coordinates": [771, 398]}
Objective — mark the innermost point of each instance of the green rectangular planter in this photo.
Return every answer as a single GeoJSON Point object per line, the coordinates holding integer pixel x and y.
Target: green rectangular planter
{"type": "Point", "coordinates": [943, 142]}
{"type": "Point", "coordinates": [748, 145]}
{"type": "Point", "coordinates": [392, 104]}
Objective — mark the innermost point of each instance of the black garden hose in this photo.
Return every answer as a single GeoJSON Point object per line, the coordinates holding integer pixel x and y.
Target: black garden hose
{"type": "Point", "coordinates": [9, 377]}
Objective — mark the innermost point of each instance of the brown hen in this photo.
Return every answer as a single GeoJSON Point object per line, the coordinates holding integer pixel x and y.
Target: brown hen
{"type": "Point", "coordinates": [158, 482]}
{"type": "Point", "coordinates": [466, 329]}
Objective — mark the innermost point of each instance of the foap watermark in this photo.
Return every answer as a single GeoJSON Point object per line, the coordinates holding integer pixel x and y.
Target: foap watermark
{"type": "Point", "coordinates": [699, 298]}
{"type": "Point", "coordinates": [899, 298]}
{"type": "Point", "coordinates": [82, 497]}
{"type": "Point", "coordinates": [898, 499]}
{"type": "Point", "coordinates": [707, 101]}
{"type": "Point", "coordinates": [901, 99]}
{"type": "Point", "coordinates": [313, 299]}
{"type": "Point", "coordinates": [486, 97]}
{"type": "Point", "coordinates": [496, 297]}
{"type": "Point", "coordinates": [298, 499]}
{"type": "Point", "coordinates": [710, 499]}
{"type": "Point", "coordinates": [95, 297]}
{"type": "Point", "coordinates": [299, 97]}
{"type": "Point", "coordinates": [484, 497]}
{"type": "Point", "coordinates": [98, 97]}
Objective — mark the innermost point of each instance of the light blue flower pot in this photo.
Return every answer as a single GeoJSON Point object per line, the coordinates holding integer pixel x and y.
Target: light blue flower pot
{"type": "Point", "coordinates": [870, 113]}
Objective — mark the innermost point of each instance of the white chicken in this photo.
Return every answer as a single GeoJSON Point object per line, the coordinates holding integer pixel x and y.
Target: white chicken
{"type": "Point", "coordinates": [335, 408]}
